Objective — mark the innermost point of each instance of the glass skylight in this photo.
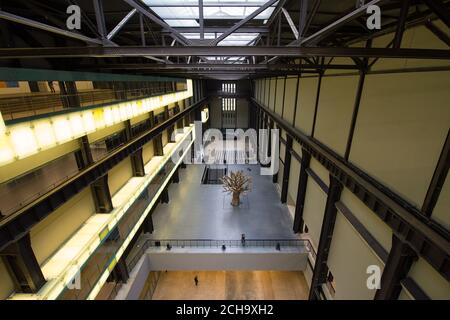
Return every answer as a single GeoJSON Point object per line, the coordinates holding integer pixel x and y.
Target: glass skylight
{"type": "Point", "coordinates": [185, 13]}
{"type": "Point", "coordinates": [233, 13]}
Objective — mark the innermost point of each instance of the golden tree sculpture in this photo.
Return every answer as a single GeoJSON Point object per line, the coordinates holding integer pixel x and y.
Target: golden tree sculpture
{"type": "Point", "coordinates": [236, 183]}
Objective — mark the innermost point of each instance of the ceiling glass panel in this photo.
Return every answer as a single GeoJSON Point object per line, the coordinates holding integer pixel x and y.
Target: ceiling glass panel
{"type": "Point", "coordinates": [181, 23]}
{"type": "Point", "coordinates": [233, 13]}
{"type": "Point", "coordinates": [185, 13]}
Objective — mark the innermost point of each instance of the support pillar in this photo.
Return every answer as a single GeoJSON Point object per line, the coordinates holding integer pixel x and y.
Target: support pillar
{"type": "Point", "coordinates": [301, 191]}
{"type": "Point", "coordinates": [400, 260]}
{"type": "Point", "coordinates": [151, 117]}
{"type": "Point", "coordinates": [176, 176]}
{"type": "Point", "coordinates": [128, 133]}
{"type": "Point", "coordinates": [286, 169]}
{"type": "Point", "coordinates": [120, 272]}
{"type": "Point", "coordinates": [102, 195]}
{"type": "Point", "coordinates": [148, 223]}
{"type": "Point", "coordinates": [275, 176]}
{"type": "Point", "coordinates": [137, 163]}
{"type": "Point", "coordinates": [157, 145]}
{"type": "Point", "coordinates": [166, 113]}
{"type": "Point", "coordinates": [165, 196]}
{"type": "Point", "coordinates": [23, 266]}
{"type": "Point", "coordinates": [326, 234]}
{"type": "Point", "coordinates": [84, 155]}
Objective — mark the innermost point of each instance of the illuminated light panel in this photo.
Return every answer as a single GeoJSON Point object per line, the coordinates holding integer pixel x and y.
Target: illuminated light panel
{"type": "Point", "coordinates": [44, 134]}
{"type": "Point", "coordinates": [61, 126]}
{"type": "Point", "coordinates": [62, 267]}
{"type": "Point", "coordinates": [21, 140]}
{"type": "Point", "coordinates": [76, 124]}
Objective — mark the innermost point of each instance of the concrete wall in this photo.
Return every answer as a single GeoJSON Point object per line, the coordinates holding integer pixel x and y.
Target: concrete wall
{"type": "Point", "coordinates": [401, 126]}
{"type": "Point", "coordinates": [206, 259]}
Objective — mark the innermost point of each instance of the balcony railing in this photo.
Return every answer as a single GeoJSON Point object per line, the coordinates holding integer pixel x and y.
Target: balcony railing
{"type": "Point", "coordinates": [137, 253]}
{"type": "Point", "coordinates": [38, 104]}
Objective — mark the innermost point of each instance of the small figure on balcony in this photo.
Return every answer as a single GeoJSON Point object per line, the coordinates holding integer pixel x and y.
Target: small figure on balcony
{"type": "Point", "coordinates": [236, 183]}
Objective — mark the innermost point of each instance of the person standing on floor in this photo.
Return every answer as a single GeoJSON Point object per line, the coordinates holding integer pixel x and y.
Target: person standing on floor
{"type": "Point", "coordinates": [196, 280]}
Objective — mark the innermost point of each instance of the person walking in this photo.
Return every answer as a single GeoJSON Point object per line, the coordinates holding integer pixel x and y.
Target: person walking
{"type": "Point", "coordinates": [243, 239]}
{"type": "Point", "coordinates": [196, 281]}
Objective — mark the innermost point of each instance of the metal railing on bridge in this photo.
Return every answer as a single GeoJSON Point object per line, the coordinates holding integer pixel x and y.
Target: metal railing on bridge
{"type": "Point", "coordinates": [145, 244]}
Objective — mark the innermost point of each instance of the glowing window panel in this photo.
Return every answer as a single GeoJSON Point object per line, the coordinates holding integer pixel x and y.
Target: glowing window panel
{"type": "Point", "coordinates": [108, 115]}
{"type": "Point", "coordinates": [76, 124]}
{"type": "Point", "coordinates": [48, 132]}
{"type": "Point", "coordinates": [44, 134]}
{"type": "Point", "coordinates": [23, 141]}
{"type": "Point", "coordinates": [88, 120]}
{"type": "Point", "coordinates": [61, 128]}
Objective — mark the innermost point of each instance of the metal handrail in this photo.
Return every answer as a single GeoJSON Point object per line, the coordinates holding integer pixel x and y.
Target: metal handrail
{"type": "Point", "coordinates": [213, 243]}
{"type": "Point", "coordinates": [38, 104]}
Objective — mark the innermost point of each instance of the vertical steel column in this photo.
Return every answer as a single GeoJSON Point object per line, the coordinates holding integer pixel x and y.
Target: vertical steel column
{"type": "Point", "coordinates": [301, 192]}
{"type": "Point", "coordinates": [148, 222]}
{"type": "Point", "coordinates": [326, 234]}
{"type": "Point", "coordinates": [287, 169]}
{"type": "Point", "coordinates": [176, 177]}
{"type": "Point", "coordinates": [23, 266]}
{"type": "Point", "coordinates": [84, 155]}
{"type": "Point", "coordinates": [158, 146]}
{"type": "Point", "coordinates": [165, 195]}
{"type": "Point", "coordinates": [102, 195]}
{"type": "Point", "coordinates": [438, 180]}
{"type": "Point", "coordinates": [137, 163]}
{"type": "Point", "coordinates": [120, 272]}
{"type": "Point", "coordinates": [399, 262]}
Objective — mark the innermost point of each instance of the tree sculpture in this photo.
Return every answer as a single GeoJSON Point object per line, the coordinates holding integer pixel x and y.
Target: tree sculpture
{"type": "Point", "coordinates": [236, 183]}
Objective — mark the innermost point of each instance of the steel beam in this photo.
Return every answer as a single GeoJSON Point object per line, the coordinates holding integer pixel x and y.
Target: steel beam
{"type": "Point", "coordinates": [200, 20]}
{"type": "Point", "coordinates": [45, 27]}
{"type": "Point", "coordinates": [401, 24]}
{"type": "Point", "coordinates": [301, 191]}
{"type": "Point", "coordinates": [242, 22]}
{"type": "Point", "coordinates": [141, 27]}
{"type": "Point", "coordinates": [302, 17]}
{"type": "Point", "coordinates": [406, 222]}
{"type": "Point", "coordinates": [223, 51]}
{"type": "Point", "coordinates": [119, 26]}
{"type": "Point", "coordinates": [23, 266]}
{"type": "Point", "coordinates": [440, 10]}
{"type": "Point", "coordinates": [290, 22]}
{"type": "Point", "coordinates": [398, 264]}
{"type": "Point", "coordinates": [145, 11]}
{"type": "Point", "coordinates": [249, 29]}
{"type": "Point", "coordinates": [286, 169]}
{"type": "Point", "coordinates": [218, 66]}
{"type": "Point", "coordinates": [324, 32]}
{"type": "Point", "coordinates": [102, 195]}
{"type": "Point", "coordinates": [438, 32]}
{"type": "Point", "coordinates": [100, 18]}
{"type": "Point", "coordinates": [438, 180]}
{"type": "Point", "coordinates": [326, 234]}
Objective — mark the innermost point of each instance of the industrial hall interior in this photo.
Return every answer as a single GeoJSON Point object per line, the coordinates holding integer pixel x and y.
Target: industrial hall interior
{"type": "Point", "coordinates": [224, 150]}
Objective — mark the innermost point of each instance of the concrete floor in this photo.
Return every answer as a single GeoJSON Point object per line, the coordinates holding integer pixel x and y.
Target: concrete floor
{"type": "Point", "coordinates": [231, 285]}
{"type": "Point", "coordinates": [197, 211]}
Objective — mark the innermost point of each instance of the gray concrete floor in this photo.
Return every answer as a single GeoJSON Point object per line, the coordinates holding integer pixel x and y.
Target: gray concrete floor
{"type": "Point", "coordinates": [197, 211]}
